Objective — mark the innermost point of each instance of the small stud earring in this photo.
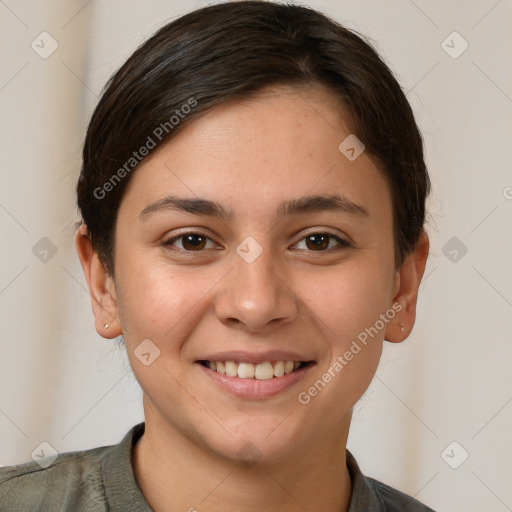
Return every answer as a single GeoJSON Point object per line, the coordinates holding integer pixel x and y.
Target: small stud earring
{"type": "Point", "coordinates": [402, 326]}
{"type": "Point", "coordinates": [106, 326]}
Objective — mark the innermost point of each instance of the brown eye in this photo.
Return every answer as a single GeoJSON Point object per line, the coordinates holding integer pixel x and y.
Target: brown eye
{"type": "Point", "coordinates": [317, 241]}
{"type": "Point", "coordinates": [320, 242]}
{"type": "Point", "coordinates": [189, 242]}
{"type": "Point", "coordinates": [194, 242]}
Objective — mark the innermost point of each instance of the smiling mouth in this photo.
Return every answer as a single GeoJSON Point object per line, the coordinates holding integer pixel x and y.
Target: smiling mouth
{"type": "Point", "coordinates": [262, 371]}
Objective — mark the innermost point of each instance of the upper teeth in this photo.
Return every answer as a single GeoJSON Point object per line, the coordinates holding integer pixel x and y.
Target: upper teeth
{"type": "Point", "coordinates": [261, 371]}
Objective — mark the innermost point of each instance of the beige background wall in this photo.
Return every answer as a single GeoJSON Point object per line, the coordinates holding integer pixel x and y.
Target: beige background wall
{"type": "Point", "coordinates": [451, 381]}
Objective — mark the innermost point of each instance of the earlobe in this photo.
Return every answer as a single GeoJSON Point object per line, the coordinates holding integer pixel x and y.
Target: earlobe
{"type": "Point", "coordinates": [101, 286]}
{"type": "Point", "coordinates": [405, 291]}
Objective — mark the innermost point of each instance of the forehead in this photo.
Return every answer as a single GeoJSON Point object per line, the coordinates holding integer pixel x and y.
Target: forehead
{"type": "Point", "coordinates": [280, 144]}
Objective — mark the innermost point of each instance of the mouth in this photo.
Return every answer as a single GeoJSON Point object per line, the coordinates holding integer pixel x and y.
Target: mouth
{"type": "Point", "coordinates": [254, 375]}
{"type": "Point", "coordinates": [265, 370]}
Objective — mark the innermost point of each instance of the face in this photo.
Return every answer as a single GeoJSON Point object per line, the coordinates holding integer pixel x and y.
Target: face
{"type": "Point", "coordinates": [251, 238]}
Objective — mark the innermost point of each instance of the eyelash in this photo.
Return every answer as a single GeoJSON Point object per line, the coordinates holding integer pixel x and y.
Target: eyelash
{"type": "Point", "coordinates": [341, 243]}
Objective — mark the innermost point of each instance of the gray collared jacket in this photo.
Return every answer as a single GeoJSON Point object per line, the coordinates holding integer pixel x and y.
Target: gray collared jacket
{"type": "Point", "coordinates": [102, 479]}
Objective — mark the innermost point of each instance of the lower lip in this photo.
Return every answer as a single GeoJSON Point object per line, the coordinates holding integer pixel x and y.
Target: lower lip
{"type": "Point", "coordinates": [254, 388]}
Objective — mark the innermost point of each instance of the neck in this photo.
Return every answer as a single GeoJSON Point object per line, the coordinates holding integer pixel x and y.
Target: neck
{"type": "Point", "coordinates": [176, 475]}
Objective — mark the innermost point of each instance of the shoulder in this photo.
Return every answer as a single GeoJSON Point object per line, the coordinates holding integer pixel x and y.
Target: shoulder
{"type": "Point", "coordinates": [370, 494]}
{"type": "Point", "coordinates": [73, 480]}
{"type": "Point", "coordinates": [394, 500]}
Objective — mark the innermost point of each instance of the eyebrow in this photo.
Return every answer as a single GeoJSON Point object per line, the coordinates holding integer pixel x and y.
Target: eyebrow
{"type": "Point", "coordinates": [302, 205]}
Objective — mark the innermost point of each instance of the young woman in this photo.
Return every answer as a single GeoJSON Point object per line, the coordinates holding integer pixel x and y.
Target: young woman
{"type": "Point", "coordinates": [253, 198]}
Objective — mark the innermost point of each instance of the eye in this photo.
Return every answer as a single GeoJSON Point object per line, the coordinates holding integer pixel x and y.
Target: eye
{"type": "Point", "coordinates": [316, 242]}
{"type": "Point", "coordinates": [320, 242]}
{"type": "Point", "coordinates": [191, 242]}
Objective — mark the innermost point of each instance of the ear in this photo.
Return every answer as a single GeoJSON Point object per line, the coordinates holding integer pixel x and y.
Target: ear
{"type": "Point", "coordinates": [101, 286]}
{"type": "Point", "coordinates": [405, 293]}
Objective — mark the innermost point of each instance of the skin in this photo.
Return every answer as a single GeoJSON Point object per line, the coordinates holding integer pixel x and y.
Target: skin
{"type": "Point", "coordinates": [249, 156]}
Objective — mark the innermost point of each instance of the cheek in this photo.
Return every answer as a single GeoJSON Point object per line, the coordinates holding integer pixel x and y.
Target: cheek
{"type": "Point", "coordinates": [347, 300]}
{"type": "Point", "coordinates": [158, 301]}
{"type": "Point", "coordinates": [162, 305]}
{"type": "Point", "coordinates": [347, 306]}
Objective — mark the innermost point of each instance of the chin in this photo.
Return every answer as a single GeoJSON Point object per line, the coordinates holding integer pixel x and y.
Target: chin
{"type": "Point", "coordinates": [256, 442]}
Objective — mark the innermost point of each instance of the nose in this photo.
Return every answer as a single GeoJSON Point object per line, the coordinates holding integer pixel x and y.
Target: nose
{"type": "Point", "coordinates": [255, 296]}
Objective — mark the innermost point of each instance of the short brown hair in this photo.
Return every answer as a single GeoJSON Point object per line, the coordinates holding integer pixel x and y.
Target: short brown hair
{"type": "Point", "coordinates": [230, 51]}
